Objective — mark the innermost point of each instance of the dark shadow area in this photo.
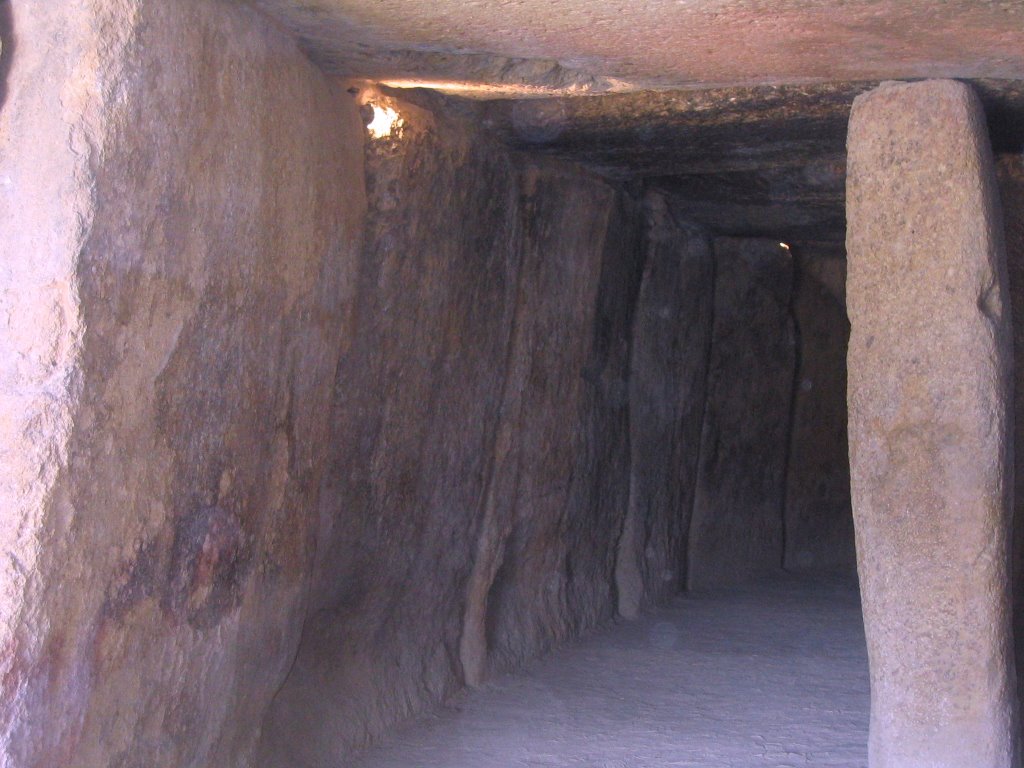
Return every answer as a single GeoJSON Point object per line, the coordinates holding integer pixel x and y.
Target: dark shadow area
{"type": "Point", "coordinates": [9, 43]}
{"type": "Point", "coordinates": [1011, 187]}
{"type": "Point", "coordinates": [1004, 109]}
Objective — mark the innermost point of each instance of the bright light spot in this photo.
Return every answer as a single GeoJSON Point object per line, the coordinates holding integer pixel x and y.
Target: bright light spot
{"type": "Point", "coordinates": [784, 245]}
{"type": "Point", "coordinates": [385, 121]}
{"type": "Point", "coordinates": [466, 88]}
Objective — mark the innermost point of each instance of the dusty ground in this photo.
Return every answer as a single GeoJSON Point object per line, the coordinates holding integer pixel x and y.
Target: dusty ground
{"type": "Point", "coordinates": [773, 676]}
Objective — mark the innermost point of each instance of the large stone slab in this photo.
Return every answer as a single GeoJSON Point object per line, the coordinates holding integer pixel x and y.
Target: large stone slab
{"type": "Point", "coordinates": [929, 392]}
{"type": "Point", "coordinates": [414, 418]}
{"type": "Point", "coordinates": [1010, 172]}
{"type": "Point", "coordinates": [610, 45]}
{"type": "Point", "coordinates": [478, 478]}
{"type": "Point", "coordinates": [819, 518]}
{"type": "Point", "coordinates": [668, 372]}
{"type": "Point", "coordinates": [736, 531]}
{"type": "Point", "coordinates": [558, 521]}
{"type": "Point", "coordinates": [180, 192]}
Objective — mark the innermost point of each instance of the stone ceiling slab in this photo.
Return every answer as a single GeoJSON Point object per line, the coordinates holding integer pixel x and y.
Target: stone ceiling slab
{"type": "Point", "coordinates": [736, 108]}
{"type": "Point", "coordinates": [602, 45]}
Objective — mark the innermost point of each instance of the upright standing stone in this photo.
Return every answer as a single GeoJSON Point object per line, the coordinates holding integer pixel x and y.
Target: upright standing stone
{"type": "Point", "coordinates": [736, 530]}
{"type": "Point", "coordinates": [1010, 172]}
{"type": "Point", "coordinates": [819, 521]}
{"type": "Point", "coordinates": [929, 386]}
{"type": "Point", "coordinates": [668, 371]}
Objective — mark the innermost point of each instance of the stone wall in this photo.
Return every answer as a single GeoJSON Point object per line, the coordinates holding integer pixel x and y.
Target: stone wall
{"type": "Point", "coordinates": [818, 517]}
{"type": "Point", "coordinates": [736, 532]}
{"type": "Point", "coordinates": [180, 194]}
{"type": "Point", "coordinates": [414, 419]}
{"type": "Point", "coordinates": [668, 375]}
{"type": "Point", "coordinates": [475, 492]}
{"type": "Point", "coordinates": [569, 375]}
{"type": "Point", "coordinates": [283, 411]}
{"type": "Point", "coordinates": [731, 325]}
{"type": "Point", "coordinates": [930, 403]}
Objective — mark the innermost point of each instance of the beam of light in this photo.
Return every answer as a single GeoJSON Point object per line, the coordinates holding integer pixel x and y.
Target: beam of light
{"type": "Point", "coordinates": [484, 90]}
{"type": "Point", "coordinates": [784, 245]}
{"type": "Point", "coordinates": [465, 87]}
{"type": "Point", "coordinates": [385, 121]}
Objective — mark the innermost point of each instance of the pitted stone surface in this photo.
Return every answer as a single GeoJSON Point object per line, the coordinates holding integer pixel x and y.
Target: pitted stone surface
{"type": "Point", "coordinates": [929, 394]}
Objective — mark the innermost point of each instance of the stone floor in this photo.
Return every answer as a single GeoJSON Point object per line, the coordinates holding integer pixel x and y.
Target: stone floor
{"type": "Point", "coordinates": [773, 676]}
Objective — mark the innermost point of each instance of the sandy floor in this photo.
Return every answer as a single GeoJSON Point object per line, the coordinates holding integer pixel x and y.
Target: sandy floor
{"type": "Point", "coordinates": [769, 677]}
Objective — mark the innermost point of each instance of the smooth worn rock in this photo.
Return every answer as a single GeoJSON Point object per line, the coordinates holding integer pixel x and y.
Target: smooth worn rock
{"type": "Point", "coordinates": [180, 180]}
{"type": "Point", "coordinates": [736, 531]}
{"type": "Point", "coordinates": [929, 394]}
{"type": "Point", "coordinates": [819, 519]}
{"type": "Point", "coordinates": [46, 210]}
{"type": "Point", "coordinates": [668, 372]}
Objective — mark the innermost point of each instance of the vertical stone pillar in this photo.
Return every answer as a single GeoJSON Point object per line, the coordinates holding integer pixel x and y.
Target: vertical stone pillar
{"type": "Point", "coordinates": [736, 527]}
{"type": "Point", "coordinates": [668, 372]}
{"type": "Point", "coordinates": [929, 388]}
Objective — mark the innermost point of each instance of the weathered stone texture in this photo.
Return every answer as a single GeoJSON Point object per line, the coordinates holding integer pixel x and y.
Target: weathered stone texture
{"type": "Point", "coordinates": [1010, 170]}
{"type": "Point", "coordinates": [736, 531]}
{"type": "Point", "coordinates": [480, 434]}
{"type": "Point", "coordinates": [192, 186]}
{"type": "Point", "coordinates": [668, 372]}
{"type": "Point", "coordinates": [819, 519]}
{"type": "Point", "coordinates": [929, 388]}
{"type": "Point", "coordinates": [414, 417]}
{"type": "Point", "coordinates": [46, 208]}
{"type": "Point", "coordinates": [569, 378]}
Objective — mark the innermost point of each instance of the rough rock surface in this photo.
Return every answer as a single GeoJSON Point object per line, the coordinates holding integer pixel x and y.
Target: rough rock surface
{"type": "Point", "coordinates": [736, 531]}
{"type": "Point", "coordinates": [40, 310]}
{"type": "Point", "coordinates": [668, 372]}
{"type": "Point", "coordinates": [929, 392]}
{"type": "Point", "coordinates": [480, 464]}
{"type": "Point", "coordinates": [177, 217]}
{"type": "Point", "coordinates": [658, 43]}
{"type": "Point", "coordinates": [819, 519]}
{"type": "Point", "coordinates": [582, 267]}
{"type": "Point", "coordinates": [414, 420]}
{"type": "Point", "coordinates": [1010, 170]}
